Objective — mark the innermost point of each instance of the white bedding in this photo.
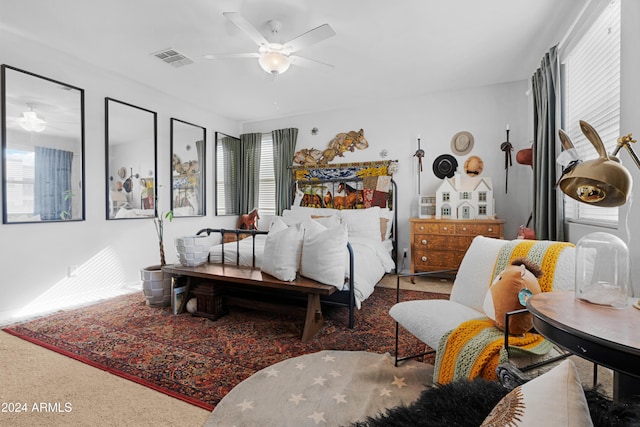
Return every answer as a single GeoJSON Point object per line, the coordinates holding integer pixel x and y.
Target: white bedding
{"type": "Point", "coordinates": [372, 259]}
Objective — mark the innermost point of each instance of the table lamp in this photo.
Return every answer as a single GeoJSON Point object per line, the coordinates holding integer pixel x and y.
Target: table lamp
{"type": "Point", "coordinates": [602, 181]}
{"type": "Point", "coordinates": [602, 259]}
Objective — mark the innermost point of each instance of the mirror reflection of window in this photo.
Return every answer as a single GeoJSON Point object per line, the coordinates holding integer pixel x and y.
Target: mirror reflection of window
{"type": "Point", "coordinates": [43, 142]}
{"type": "Point", "coordinates": [131, 138]}
{"type": "Point", "coordinates": [227, 174]}
{"type": "Point", "coordinates": [188, 144]}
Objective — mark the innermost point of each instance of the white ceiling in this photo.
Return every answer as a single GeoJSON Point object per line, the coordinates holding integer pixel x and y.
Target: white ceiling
{"type": "Point", "coordinates": [382, 49]}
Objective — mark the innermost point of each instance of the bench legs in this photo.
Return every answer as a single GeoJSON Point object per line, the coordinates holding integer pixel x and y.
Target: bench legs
{"type": "Point", "coordinates": [314, 320]}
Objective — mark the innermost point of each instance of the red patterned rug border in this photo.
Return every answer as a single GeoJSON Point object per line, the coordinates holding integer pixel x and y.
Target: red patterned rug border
{"type": "Point", "coordinates": [110, 370]}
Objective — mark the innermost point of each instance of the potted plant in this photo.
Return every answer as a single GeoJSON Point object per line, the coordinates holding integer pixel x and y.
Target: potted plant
{"type": "Point", "coordinates": [156, 286]}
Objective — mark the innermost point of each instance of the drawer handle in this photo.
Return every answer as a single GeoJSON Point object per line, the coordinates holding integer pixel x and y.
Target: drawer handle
{"type": "Point", "coordinates": [464, 228]}
{"type": "Point", "coordinates": [444, 228]}
{"type": "Point", "coordinates": [422, 227]}
{"type": "Point", "coordinates": [490, 229]}
{"type": "Point", "coordinates": [424, 241]}
{"type": "Point", "coordinates": [424, 258]}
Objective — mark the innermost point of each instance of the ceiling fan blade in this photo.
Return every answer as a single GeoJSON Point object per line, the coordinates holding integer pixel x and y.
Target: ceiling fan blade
{"type": "Point", "coordinates": [246, 26]}
{"type": "Point", "coordinates": [314, 36]}
{"type": "Point", "coordinates": [232, 56]}
{"type": "Point", "coordinates": [310, 63]}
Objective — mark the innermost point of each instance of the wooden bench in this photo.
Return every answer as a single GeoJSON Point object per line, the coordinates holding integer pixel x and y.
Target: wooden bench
{"type": "Point", "coordinates": [213, 285]}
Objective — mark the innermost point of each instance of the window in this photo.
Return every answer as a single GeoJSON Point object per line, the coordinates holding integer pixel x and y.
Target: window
{"type": "Point", "coordinates": [228, 165]}
{"type": "Point", "coordinates": [20, 182]}
{"type": "Point", "coordinates": [482, 196]}
{"type": "Point", "coordinates": [267, 191]}
{"type": "Point", "coordinates": [446, 211]}
{"type": "Point", "coordinates": [446, 197]}
{"type": "Point", "coordinates": [592, 94]}
{"type": "Point", "coordinates": [465, 195]}
{"type": "Point", "coordinates": [482, 209]}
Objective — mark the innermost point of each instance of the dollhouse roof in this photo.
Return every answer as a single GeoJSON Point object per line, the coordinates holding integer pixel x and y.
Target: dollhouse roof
{"type": "Point", "coordinates": [469, 183]}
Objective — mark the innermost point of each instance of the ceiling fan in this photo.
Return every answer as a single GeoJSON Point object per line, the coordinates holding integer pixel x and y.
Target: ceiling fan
{"type": "Point", "coordinates": [30, 120]}
{"type": "Point", "coordinates": [275, 58]}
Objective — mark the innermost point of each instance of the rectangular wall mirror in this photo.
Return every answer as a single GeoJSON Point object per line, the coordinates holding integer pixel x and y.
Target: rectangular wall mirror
{"type": "Point", "coordinates": [42, 149]}
{"type": "Point", "coordinates": [227, 174]}
{"type": "Point", "coordinates": [131, 135]}
{"type": "Point", "coordinates": [188, 148]}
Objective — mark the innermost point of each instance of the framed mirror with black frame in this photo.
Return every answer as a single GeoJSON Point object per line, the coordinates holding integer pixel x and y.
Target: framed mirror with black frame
{"type": "Point", "coordinates": [228, 161]}
{"type": "Point", "coordinates": [131, 136]}
{"type": "Point", "coordinates": [42, 148]}
{"type": "Point", "coordinates": [188, 154]}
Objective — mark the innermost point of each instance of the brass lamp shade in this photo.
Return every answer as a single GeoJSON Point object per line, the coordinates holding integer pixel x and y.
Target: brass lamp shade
{"type": "Point", "coordinates": [598, 182]}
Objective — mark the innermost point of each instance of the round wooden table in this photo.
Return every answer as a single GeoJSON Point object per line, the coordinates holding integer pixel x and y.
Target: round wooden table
{"type": "Point", "coordinates": [607, 336]}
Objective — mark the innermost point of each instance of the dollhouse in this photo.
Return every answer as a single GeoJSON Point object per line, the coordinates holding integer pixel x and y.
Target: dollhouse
{"type": "Point", "coordinates": [465, 197]}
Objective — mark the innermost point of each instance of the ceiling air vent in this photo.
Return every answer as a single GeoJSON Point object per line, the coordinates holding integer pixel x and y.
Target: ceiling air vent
{"type": "Point", "coordinates": [172, 57]}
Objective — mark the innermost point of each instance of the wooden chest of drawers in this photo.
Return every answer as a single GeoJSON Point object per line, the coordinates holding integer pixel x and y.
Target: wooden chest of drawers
{"type": "Point", "coordinates": [440, 244]}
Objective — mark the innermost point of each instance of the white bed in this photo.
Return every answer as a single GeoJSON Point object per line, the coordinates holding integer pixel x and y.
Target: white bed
{"type": "Point", "coordinates": [365, 231]}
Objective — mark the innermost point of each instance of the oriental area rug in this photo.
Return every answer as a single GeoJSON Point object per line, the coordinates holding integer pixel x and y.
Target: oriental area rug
{"type": "Point", "coordinates": [198, 360]}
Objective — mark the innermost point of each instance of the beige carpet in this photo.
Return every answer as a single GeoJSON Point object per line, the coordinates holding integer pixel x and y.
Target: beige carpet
{"type": "Point", "coordinates": [426, 284]}
{"type": "Point", "coordinates": [329, 388]}
{"type": "Point", "coordinates": [50, 389]}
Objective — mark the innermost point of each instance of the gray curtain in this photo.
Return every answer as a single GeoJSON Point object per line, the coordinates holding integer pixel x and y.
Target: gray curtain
{"type": "Point", "coordinates": [231, 152]}
{"type": "Point", "coordinates": [284, 147]}
{"type": "Point", "coordinates": [250, 171]}
{"type": "Point", "coordinates": [52, 185]}
{"type": "Point", "coordinates": [548, 209]}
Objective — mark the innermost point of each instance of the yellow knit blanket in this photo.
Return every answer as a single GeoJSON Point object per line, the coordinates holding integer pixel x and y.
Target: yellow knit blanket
{"type": "Point", "coordinates": [476, 347]}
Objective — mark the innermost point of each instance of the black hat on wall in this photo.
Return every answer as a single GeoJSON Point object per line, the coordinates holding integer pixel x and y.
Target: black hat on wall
{"type": "Point", "coordinates": [445, 165]}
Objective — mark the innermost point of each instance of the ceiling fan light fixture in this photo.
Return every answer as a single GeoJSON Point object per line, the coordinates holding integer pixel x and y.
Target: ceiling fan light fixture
{"type": "Point", "coordinates": [274, 62]}
{"type": "Point", "coordinates": [31, 122]}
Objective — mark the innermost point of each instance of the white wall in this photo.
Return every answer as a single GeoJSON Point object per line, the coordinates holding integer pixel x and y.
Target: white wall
{"type": "Point", "coordinates": [394, 126]}
{"type": "Point", "coordinates": [35, 257]}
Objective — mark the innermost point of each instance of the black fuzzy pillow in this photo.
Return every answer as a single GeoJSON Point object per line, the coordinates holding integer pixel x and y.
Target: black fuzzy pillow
{"type": "Point", "coordinates": [460, 403]}
{"type": "Point", "coordinates": [467, 404]}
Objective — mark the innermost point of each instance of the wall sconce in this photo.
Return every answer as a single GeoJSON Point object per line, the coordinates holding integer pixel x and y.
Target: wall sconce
{"type": "Point", "coordinates": [599, 182]}
{"type": "Point", "coordinates": [419, 154]}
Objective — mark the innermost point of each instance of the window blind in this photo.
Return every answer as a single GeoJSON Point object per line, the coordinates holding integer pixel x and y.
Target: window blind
{"type": "Point", "coordinates": [267, 194]}
{"type": "Point", "coordinates": [592, 94]}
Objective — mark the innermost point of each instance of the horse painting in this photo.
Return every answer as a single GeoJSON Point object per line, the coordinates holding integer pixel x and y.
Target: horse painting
{"type": "Point", "coordinates": [352, 197]}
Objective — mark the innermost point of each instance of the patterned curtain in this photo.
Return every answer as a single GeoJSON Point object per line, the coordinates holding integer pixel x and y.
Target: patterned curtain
{"type": "Point", "coordinates": [284, 147]}
{"type": "Point", "coordinates": [52, 185]}
{"type": "Point", "coordinates": [250, 171]}
{"type": "Point", "coordinates": [548, 209]}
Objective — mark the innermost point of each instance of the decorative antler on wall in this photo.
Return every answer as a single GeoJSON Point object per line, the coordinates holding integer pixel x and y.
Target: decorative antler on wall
{"type": "Point", "coordinates": [339, 145]}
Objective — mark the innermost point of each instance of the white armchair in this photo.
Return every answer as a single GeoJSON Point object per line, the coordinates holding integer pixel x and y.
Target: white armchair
{"type": "Point", "coordinates": [429, 320]}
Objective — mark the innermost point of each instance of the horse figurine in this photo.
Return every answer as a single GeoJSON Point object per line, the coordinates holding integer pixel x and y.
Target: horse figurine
{"type": "Point", "coordinates": [248, 221]}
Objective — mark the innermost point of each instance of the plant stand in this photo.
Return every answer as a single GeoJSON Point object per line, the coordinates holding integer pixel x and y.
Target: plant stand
{"type": "Point", "coordinates": [156, 286]}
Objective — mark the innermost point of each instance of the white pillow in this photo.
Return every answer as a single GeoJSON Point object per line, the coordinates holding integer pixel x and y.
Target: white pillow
{"type": "Point", "coordinates": [324, 254]}
{"type": "Point", "coordinates": [282, 251]}
{"type": "Point", "coordinates": [328, 221]}
{"type": "Point", "coordinates": [555, 398]}
{"type": "Point", "coordinates": [362, 222]}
